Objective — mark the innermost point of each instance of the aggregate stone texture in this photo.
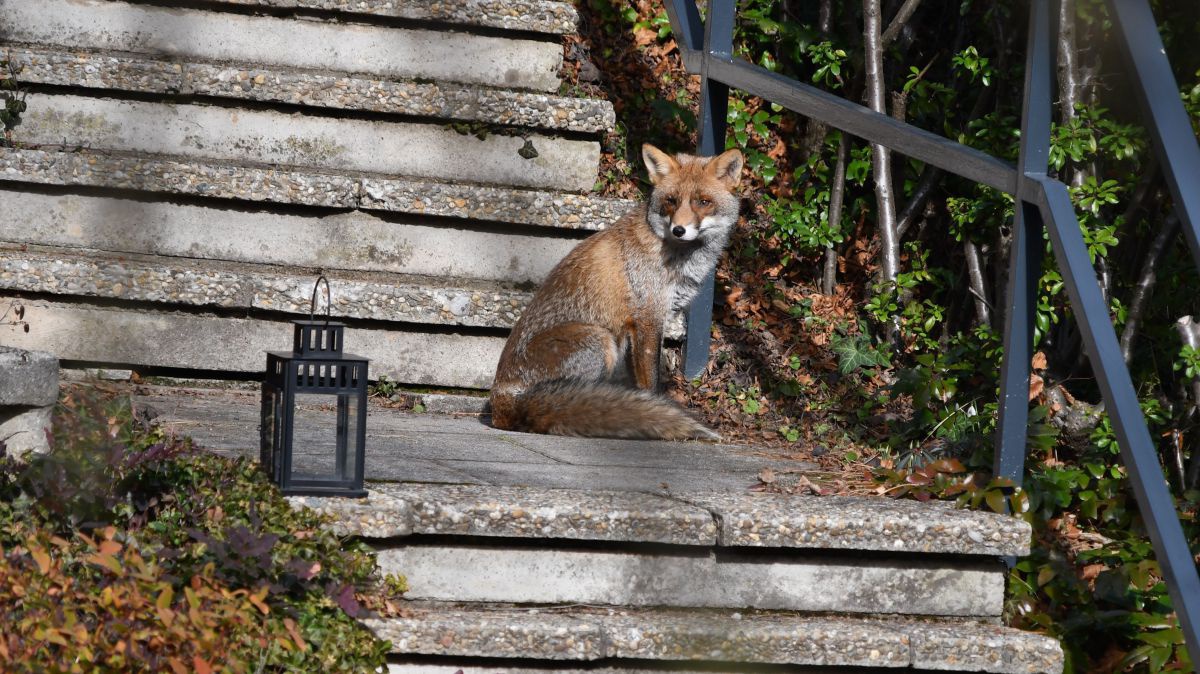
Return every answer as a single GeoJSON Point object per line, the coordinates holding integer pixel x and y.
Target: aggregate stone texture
{"type": "Point", "coordinates": [28, 378]}
{"type": "Point", "coordinates": [376, 516]}
{"type": "Point", "coordinates": [408, 148]}
{"type": "Point", "coordinates": [989, 648]}
{"type": "Point", "coordinates": [157, 338]}
{"type": "Point", "coordinates": [532, 512]}
{"type": "Point", "coordinates": [419, 665]}
{"type": "Point", "coordinates": [528, 15]}
{"type": "Point", "coordinates": [549, 636]}
{"type": "Point", "coordinates": [279, 184]}
{"type": "Point", "coordinates": [380, 297]}
{"type": "Point", "coordinates": [862, 523]}
{"type": "Point", "coordinates": [344, 244]}
{"type": "Point", "coordinates": [311, 88]}
{"type": "Point", "coordinates": [505, 631]}
{"type": "Point", "coordinates": [235, 38]}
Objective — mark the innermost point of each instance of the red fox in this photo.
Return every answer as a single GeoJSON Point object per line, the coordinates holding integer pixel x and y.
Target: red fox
{"type": "Point", "coordinates": [583, 359]}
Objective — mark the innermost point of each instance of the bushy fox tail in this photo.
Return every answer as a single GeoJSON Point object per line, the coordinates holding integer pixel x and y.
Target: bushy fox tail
{"type": "Point", "coordinates": [600, 410]}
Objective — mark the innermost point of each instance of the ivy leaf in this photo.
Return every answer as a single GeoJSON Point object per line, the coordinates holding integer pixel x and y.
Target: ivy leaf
{"type": "Point", "coordinates": [853, 354]}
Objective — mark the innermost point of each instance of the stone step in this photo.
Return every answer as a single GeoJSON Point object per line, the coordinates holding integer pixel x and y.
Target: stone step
{"type": "Point", "coordinates": [352, 241]}
{"type": "Point", "coordinates": [107, 335]}
{"type": "Point", "coordinates": [206, 284]}
{"type": "Point", "coordinates": [687, 518]}
{"type": "Point", "coordinates": [576, 634]}
{"type": "Point", "coordinates": [173, 76]}
{"type": "Point", "coordinates": [728, 550]}
{"type": "Point", "coordinates": [28, 392]}
{"type": "Point", "coordinates": [282, 185]}
{"type": "Point", "coordinates": [538, 16]}
{"type": "Point", "coordinates": [408, 149]}
{"type": "Point", "coordinates": [745, 578]}
{"type": "Point", "coordinates": [270, 41]}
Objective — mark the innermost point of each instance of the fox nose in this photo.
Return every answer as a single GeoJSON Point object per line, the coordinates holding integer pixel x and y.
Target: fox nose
{"type": "Point", "coordinates": [678, 231]}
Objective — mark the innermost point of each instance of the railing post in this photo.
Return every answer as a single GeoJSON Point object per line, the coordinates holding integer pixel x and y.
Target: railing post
{"type": "Point", "coordinates": [1138, 452]}
{"type": "Point", "coordinates": [1025, 261]}
{"type": "Point", "coordinates": [1163, 111]}
{"type": "Point", "coordinates": [714, 104]}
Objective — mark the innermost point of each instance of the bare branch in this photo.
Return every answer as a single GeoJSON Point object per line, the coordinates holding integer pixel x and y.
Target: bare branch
{"type": "Point", "coordinates": [837, 192]}
{"type": "Point", "coordinates": [902, 16]}
{"type": "Point", "coordinates": [1068, 61]}
{"type": "Point", "coordinates": [825, 17]}
{"type": "Point", "coordinates": [881, 157]}
{"type": "Point", "coordinates": [1145, 284]}
{"type": "Point", "coordinates": [931, 177]}
{"type": "Point", "coordinates": [1189, 334]}
{"type": "Point", "coordinates": [983, 312]}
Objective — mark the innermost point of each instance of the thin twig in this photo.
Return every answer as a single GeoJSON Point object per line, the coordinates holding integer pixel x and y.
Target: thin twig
{"type": "Point", "coordinates": [836, 194]}
{"type": "Point", "coordinates": [902, 16]}
{"type": "Point", "coordinates": [1145, 284]}
{"type": "Point", "coordinates": [931, 177]}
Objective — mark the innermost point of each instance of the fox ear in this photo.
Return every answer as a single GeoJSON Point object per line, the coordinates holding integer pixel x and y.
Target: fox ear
{"type": "Point", "coordinates": [727, 167]}
{"type": "Point", "coordinates": [658, 163]}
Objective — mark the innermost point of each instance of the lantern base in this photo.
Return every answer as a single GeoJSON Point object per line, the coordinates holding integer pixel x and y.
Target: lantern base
{"type": "Point", "coordinates": [325, 491]}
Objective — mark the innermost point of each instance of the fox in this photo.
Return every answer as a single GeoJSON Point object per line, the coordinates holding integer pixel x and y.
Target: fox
{"type": "Point", "coordinates": [583, 358]}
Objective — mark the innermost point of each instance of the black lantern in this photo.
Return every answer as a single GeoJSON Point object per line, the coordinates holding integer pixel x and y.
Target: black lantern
{"type": "Point", "coordinates": [314, 411]}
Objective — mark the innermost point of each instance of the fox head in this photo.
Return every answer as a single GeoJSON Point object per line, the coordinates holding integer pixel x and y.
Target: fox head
{"type": "Point", "coordinates": [693, 197]}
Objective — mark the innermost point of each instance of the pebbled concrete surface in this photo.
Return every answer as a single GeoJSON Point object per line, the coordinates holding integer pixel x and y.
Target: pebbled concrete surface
{"type": "Point", "coordinates": [275, 184]}
{"type": "Point", "coordinates": [353, 242]}
{"type": "Point", "coordinates": [339, 91]}
{"type": "Point", "coordinates": [205, 342]}
{"type": "Point", "coordinates": [396, 148]}
{"type": "Point", "coordinates": [862, 523]}
{"type": "Point", "coordinates": [580, 633]}
{"type": "Point", "coordinates": [544, 16]}
{"type": "Point", "coordinates": [242, 39]}
{"type": "Point", "coordinates": [532, 512]}
{"type": "Point", "coordinates": [374, 296]}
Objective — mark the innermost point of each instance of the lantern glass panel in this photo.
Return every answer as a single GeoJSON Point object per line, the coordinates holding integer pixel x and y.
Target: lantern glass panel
{"type": "Point", "coordinates": [325, 429]}
{"type": "Point", "coordinates": [272, 431]}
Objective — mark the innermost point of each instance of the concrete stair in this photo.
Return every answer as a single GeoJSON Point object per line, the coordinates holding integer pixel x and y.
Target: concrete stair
{"type": "Point", "coordinates": [186, 169]}
{"type": "Point", "coordinates": [533, 553]}
{"type": "Point", "coordinates": [511, 577]}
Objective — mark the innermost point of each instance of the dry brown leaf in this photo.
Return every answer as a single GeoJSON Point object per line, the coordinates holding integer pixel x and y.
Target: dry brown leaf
{"type": "Point", "coordinates": [1089, 572]}
{"type": "Point", "coordinates": [1036, 384]}
{"type": "Point", "coordinates": [1039, 361]}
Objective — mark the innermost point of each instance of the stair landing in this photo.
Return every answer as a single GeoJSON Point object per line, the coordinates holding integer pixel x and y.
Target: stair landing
{"type": "Point", "coordinates": [407, 447]}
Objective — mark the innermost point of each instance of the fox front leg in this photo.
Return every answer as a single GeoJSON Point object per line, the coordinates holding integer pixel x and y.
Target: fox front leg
{"type": "Point", "coordinates": [645, 343]}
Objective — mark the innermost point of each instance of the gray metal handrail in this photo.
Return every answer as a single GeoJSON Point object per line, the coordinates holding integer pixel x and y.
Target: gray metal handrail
{"type": "Point", "coordinates": [1042, 204]}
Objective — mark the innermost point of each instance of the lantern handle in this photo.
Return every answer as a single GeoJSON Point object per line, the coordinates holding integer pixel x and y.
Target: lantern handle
{"type": "Point", "coordinates": [328, 300]}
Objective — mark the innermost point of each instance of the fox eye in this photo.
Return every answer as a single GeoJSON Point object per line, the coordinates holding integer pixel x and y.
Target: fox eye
{"type": "Point", "coordinates": [672, 201]}
{"type": "Point", "coordinates": [703, 202]}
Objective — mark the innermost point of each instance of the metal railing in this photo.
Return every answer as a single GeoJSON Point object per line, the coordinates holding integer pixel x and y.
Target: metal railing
{"type": "Point", "coordinates": [1042, 204]}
